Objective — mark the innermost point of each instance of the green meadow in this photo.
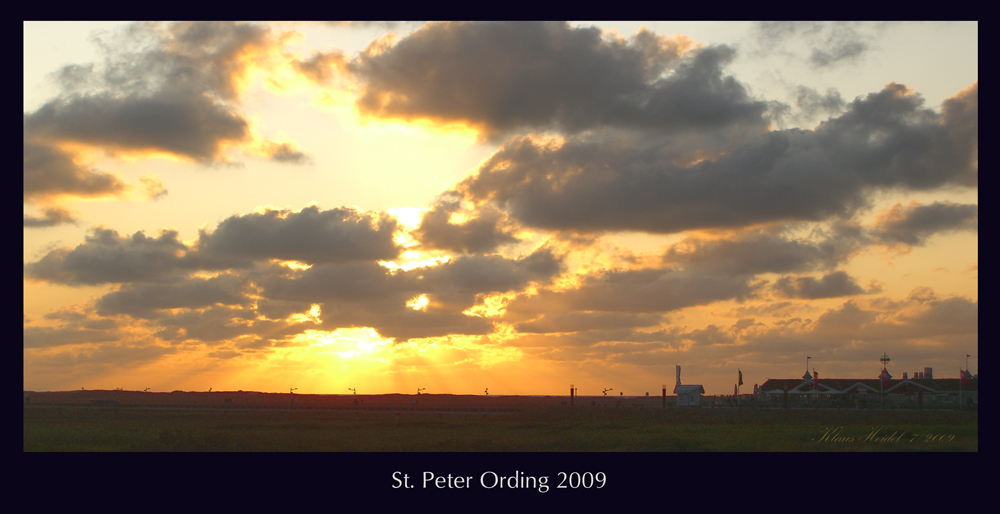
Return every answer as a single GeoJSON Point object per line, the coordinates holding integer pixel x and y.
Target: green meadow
{"type": "Point", "coordinates": [60, 429]}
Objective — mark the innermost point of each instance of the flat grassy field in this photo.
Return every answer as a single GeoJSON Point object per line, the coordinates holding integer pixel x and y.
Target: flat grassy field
{"type": "Point", "coordinates": [78, 429]}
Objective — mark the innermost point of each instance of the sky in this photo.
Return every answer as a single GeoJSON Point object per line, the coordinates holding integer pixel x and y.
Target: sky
{"type": "Point", "coordinates": [519, 206]}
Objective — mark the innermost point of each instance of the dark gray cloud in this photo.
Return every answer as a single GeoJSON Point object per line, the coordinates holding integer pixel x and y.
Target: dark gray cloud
{"type": "Point", "coordinates": [105, 257]}
{"type": "Point", "coordinates": [51, 216]}
{"type": "Point", "coordinates": [841, 52]}
{"type": "Point", "coordinates": [322, 67]}
{"type": "Point", "coordinates": [656, 290]}
{"type": "Point", "coordinates": [141, 300]}
{"type": "Point", "coordinates": [825, 44]}
{"type": "Point", "coordinates": [77, 325]}
{"type": "Point", "coordinates": [221, 324]}
{"type": "Point", "coordinates": [69, 334]}
{"type": "Point", "coordinates": [367, 24]}
{"type": "Point", "coordinates": [758, 251]}
{"type": "Point", "coordinates": [169, 88]}
{"type": "Point", "coordinates": [579, 321]}
{"type": "Point", "coordinates": [486, 231]}
{"type": "Point", "coordinates": [49, 172]}
{"type": "Point", "coordinates": [840, 333]}
{"type": "Point", "coordinates": [509, 76]}
{"type": "Point", "coordinates": [364, 294]}
{"type": "Point", "coordinates": [192, 126]}
{"type": "Point", "coordinates": [466, 276]}
{"type": "Point", "coordinates": [597, 343]}
{"type": "Point", "coordinates": [590, 183]}
{"type": "Point", "coordinates": [914, 224]}
{"type": "Point", "coordinates": [108, 356]}
{"type": "Point", "coordinates": [146, 57]}
{"type": "Point", "coordinates": [455, 283]}
{"type": "Point", "coordinates": [961, 116]}
{"type": "Point", "coordinates": [831, 285]}
{"type": "Point", "coordinates": [915, 318]}
{"type": "Point", "coordinates": [311, 235]}
{"type": "Point", "coordinates": [812, 104]}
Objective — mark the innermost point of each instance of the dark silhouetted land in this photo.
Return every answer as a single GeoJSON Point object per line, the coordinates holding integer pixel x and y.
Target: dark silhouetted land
{"type": "Point", "coordinates": [224, 421]}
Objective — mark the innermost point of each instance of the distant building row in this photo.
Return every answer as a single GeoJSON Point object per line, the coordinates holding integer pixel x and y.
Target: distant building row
{"type": "Point", "coordinates": [898, 391]}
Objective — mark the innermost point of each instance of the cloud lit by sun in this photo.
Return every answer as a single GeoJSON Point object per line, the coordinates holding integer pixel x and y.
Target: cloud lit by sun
{"type": "Point", "coordinates": [418, 303]}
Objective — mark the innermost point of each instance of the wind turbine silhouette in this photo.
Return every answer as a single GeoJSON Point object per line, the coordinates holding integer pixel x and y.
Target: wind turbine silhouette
{"type": "Point", "coordinates": [606, 391]}
{"type": "Point", "coordinates": [421, 389]}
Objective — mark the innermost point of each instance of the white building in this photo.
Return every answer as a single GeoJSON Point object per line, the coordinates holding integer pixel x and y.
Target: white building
{"type": "Point", "coordinates": [689, 395]}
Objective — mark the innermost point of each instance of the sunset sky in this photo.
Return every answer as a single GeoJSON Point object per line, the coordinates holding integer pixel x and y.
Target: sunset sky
{"type": "Point", "coordinates": [515, 206]}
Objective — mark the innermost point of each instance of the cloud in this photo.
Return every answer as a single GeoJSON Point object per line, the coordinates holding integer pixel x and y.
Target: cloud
{"type": "Point", "coordinates": [578, 321]}
{"type": "Point", "coordinates": [593, 182]}
{"type": "Point", "coordinates": [840, 52]}
{"type": "Point", "coordinates": [504, 77]}
{"type": "Point", "coordinates": [105, 257]}
{"type": "Point", "coordinates": [69, 334]}
{"type": "Point", "coordinates": [258, 299]}
{"type": "Point", "coordinates": [139, 300]}
{"type": "Point", "coordinates": [812, 105]}
{"type": "Point", "coordinates": [364, 294]}
{"type": "Point", "coordinates": [167, 88]}
{"type": "Point", "coordinates": [322, 67]}
{"type": "Point", "coordinates": [849, 332]}
{"type": "Point", "coordinates": [286, 153]}
{"type": "Point", "coordinates": [116, 356]}
{"type": "Point", "coordinates": [453, 284]}
{"type": "Point", "coordinates": [484, 231]}
{"type": "Point", "coordinates": [914, 318]}
{"type": "Point", "coordinates": [154, 187]}
{"type": "Point", "coordinates": [758, 251]}
{"type": "Point", "coordinates": [831, 285]}
{"type": "Point", "coordinates": [224, 324]}
{"type": "Point", "coordinates": [826, 43]}
{"type": "Point", "coordinates": [50, 172]}
{"type": "Point", "coordinates": [311, 236]}
{"type": "Point", "coordinates": [653, 290]}
{"type": "Point", "coordinates": [913, 224]}
{"type": "Point", "coordinates": [187, 125]}
{"type": "Point", "coordinates": [51, 216]}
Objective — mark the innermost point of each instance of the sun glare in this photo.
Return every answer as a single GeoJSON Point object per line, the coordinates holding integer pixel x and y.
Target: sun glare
{"type": "Point", "coordinates": [491, 306]}
{"type": "Point", "coordinates": [409, 217]}
{"type": "Point", "coordinates": [407, 266]}
{"type": "Point", "coordinates": [295, 265]}
{"type": "Point", "coordinates": [311, 316]}
{"type": "Point", "coordinates": [419, 303]}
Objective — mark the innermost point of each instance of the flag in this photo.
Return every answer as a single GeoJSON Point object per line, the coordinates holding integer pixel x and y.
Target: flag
{"type": "Point", "coordinates": [965, 376]}
{"type": "Point", "coordinates": [741, 376]}
{"type": "Point", "coordinates": [815, 379]}
{"type": "Point", "coordinates": [884, 376]}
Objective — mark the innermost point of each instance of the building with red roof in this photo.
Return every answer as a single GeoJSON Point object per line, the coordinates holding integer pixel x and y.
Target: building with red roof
{"type": "Point", "coordinates": [905, 392]}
